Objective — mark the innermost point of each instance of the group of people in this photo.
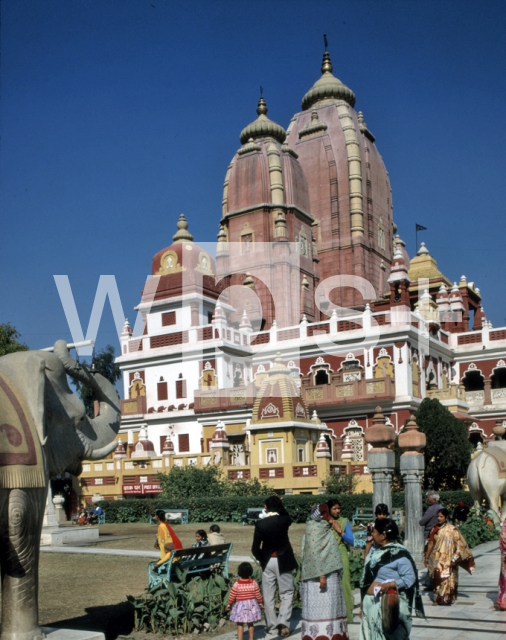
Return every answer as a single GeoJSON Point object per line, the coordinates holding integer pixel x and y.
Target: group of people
{"type": "Point", "coordinates": [85, 517]}
{"type": "Point", "coordinates": [389, 587]}
{"type": "Point", "coordinates": [167, 540]}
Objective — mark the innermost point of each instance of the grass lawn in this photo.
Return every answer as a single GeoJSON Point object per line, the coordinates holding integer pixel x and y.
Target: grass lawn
{"type": "Point", "coordinates": [88, 592]}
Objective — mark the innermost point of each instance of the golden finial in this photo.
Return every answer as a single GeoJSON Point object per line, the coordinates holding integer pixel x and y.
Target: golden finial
{"type": "Point", "coordinates": [182, 235]}
{"type": "Point", "coordinates": [326, 64]}
{"type": "Point", "coordinates": [262, 107]}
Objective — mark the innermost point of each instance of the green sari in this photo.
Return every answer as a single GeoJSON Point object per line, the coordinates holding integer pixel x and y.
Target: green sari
{"type": "Point", "coordinates": [345, 578]}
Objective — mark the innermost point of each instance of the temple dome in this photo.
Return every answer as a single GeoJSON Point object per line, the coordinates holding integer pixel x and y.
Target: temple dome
{"type": "Point", "coordinates": [262, 127]}
{"type": "Point", "coordinates": [348, 187]}
{"type": "Point", "coordinates": [265, 170]}
{"type": "Point", "coordinates": [328, 87]}
{"type": "Point", "coordinates": [423, 265]}
{"type": "Point", "coordinates": [182, 266]}
{"type": "Point", "coordinates": [279, 399]}
{"type": "Point", "coordinates": [182, 254]}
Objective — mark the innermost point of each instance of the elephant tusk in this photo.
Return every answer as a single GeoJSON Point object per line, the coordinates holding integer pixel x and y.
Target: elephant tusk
{"type": "Point", "coordinates": [90, 453]}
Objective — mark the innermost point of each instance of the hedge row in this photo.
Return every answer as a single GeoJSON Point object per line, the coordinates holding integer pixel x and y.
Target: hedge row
{"type": "Point", "coordinates": [230, 509]}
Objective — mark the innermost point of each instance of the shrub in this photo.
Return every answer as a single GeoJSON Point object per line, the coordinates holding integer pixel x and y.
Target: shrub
{"type": "Point", "coordinates": [195, 482]}
{"type": "Point", "coordinates": [356, 566]}
{"type": "Point", "coordinates": [476, 531]}
{"type": "Point", "coordinates": [231, 508]}
{"type": "Point", "coordinates": [182, 605]}
{"type": "Point", "coordinates": [338, 484]}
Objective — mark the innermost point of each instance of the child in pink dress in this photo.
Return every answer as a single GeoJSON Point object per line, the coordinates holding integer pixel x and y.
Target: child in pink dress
{"type": "Point", "coordinates": [248, 601]}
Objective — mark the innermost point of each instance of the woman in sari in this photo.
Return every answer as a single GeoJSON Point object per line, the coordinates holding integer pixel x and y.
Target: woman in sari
{"type": "Point", "coordinates": [446, 551]}
{"type": "Point", "coordinates": [166, 538]}
{"type": "Point", "coordinates": [341, 529]}
{"type": "Point", "coordinates": [388, 569]}
{"type": "Point", "coordinates": [323, 608]}
{"type": "Point", "coordinates": [501, 600]}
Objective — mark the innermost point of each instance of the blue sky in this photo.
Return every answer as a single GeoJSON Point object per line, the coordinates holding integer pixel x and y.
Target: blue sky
{"type": "Point", "coordinates": [118, 115]}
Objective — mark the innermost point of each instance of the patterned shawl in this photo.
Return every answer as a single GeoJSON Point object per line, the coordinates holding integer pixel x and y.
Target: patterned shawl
{"type": "Point", "coordinates": [382, 557]}
{"type": "Point", "coordinates": [321, 555]}
{"type": "Point", "coordinates": [450, 548]}
{"type": "Point", "coordinates": [502, 539]}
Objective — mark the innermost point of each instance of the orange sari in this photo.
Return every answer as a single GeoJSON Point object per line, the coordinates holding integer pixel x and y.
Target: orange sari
{"type": "Point", "coordinates": [450, 551]}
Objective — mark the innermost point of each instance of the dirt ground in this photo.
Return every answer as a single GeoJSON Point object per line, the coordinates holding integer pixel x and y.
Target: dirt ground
{"type": "Point", "coordinates": [88, 592]}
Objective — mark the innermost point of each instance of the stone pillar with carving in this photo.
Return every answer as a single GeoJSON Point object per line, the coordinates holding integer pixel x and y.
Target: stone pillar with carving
{"type": "Point", "coordinates": [488, 391]}
{"type": "Point", "coordinates": [381, 459]}
{"type": "Point", "coordinates": [411, 442]}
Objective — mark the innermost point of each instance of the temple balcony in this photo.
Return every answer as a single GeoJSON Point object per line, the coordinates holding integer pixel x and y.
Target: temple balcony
{"type": "Point", "coordinates": [221, 400]}
{"type": "Point", "coordinates": [453, 392]}
{"type": "Point", "coordinates": [337, 392]}
{"type": "Point", "coordinates": [133, 407]}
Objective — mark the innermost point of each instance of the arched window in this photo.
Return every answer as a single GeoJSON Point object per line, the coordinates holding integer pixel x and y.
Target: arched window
{"type": "Point", "coordinates": [321, 377]}
{"type": "Point", "coordinates": [498, 378]}
{"type": "Point", "coordinates": [473, 381]}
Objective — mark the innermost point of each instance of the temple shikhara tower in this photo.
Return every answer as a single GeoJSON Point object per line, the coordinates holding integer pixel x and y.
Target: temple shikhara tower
{"type": "Point", "coordinates": [269, 351]}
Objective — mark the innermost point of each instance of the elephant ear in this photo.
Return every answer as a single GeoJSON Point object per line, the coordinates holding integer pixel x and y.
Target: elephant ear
{"type": "Point", "coordinates": [35, 380]}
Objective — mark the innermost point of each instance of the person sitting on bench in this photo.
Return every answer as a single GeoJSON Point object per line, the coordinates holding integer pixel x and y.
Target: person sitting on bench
{"type": "Point", "coordinates": [166, 538]}
{"type": "Point", "coordinates": [94, 514]}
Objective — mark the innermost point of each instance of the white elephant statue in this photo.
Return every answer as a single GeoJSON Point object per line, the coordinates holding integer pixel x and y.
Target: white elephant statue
{"type": "Point", "coordinates": [485, 480]}
{"type": "Point", "coordinates": [44, 431]}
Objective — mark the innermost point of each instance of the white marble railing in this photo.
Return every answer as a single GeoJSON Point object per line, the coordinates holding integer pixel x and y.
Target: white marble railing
{"type": "Point", "coordinates": [475, 397]}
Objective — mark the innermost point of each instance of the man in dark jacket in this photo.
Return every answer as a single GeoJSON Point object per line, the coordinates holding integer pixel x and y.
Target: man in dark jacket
{"type": "Point", "coordinates": [272, 548]}
{"type": "Point", "coordinates": [429, 520]}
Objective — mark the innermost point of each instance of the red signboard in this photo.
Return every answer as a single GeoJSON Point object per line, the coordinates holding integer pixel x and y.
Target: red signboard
{"type": "Point", "coordinates": [141, 489]}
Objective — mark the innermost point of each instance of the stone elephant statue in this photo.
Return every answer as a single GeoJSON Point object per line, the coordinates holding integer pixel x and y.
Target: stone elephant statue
{"type": "Point", "coordinates": [44, 431]}
{"type": "Point", "coordinates": [486, 477]}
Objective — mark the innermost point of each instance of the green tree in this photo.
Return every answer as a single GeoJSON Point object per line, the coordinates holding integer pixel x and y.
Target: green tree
{"type": "Point", "coordinates": [191, 482]}
{"type": "Point", "coordinates": [338, 484]}
{"type": "Point", "coordinates": [103, 363]}
{"type": "Point", "coordinates": [9, 337]}
{"type": "Point", "coordinates": [253, 487]}
{"type": "Point", "coordinates": [448, 450]}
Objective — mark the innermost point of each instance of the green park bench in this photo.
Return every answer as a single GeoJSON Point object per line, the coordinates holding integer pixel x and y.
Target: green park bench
{"type": "Point", "coordinates": [363, 515]}
{"type": "Point", "coordinates": [171, 515]}
{"type": "Point", "coordinates": [252, 515]}
{"type": "Point", "coordinates": [192, 560]}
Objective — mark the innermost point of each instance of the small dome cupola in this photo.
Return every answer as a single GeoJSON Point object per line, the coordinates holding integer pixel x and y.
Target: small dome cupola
{"type": "Point", "coordinates": [328, 87]}
{"type": "Point", "coordinates": [220, 438]}
{"type": "Point", "coordinates": [168, 447]}
{"type": "Point", "coordinates": [120, 450]}
{"type": "Point", "coordinates": [144, 448]}
{"type": "Point", "coordinates": [322, 448]}
{"type": "Point", "coordinates": [262, 127]}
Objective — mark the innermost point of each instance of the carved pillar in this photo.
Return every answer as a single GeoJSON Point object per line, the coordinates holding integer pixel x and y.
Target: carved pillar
{"type": "Point", "coordinates": [411, 441]}
{"type": "Point", "coordinates": [381, 459]}
{"type": "Point", "coordinates": [488, 391]}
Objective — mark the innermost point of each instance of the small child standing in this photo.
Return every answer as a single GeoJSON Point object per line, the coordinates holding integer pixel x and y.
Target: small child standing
{"type": "Point", "coordinates": [248, 601]}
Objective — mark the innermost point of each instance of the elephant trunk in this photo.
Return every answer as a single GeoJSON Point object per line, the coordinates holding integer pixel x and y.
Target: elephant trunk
{"type": "Point", "coordinates": [90, 452]}
{"type": "Point", "coordinates": [99, 432]}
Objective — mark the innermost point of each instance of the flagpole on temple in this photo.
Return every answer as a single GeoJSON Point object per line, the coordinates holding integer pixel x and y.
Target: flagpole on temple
{"type": "Point", "coordinates": [418, 227]}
